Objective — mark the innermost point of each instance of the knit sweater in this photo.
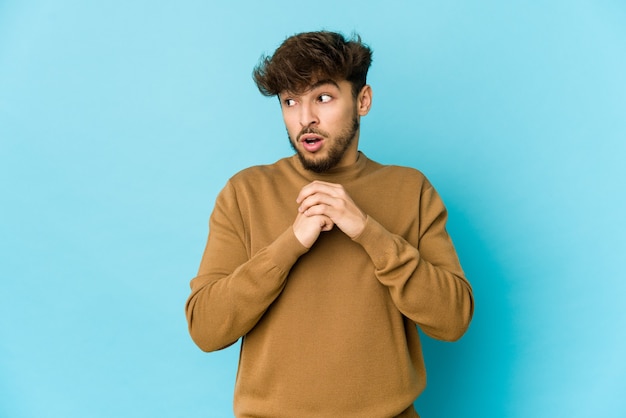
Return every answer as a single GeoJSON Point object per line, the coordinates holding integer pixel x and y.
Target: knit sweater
{"type": "Point", "coordinates": [328, 331]}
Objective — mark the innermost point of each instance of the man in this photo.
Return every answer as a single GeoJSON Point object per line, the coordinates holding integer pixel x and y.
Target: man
{"type": "Point", "coordinates": [325, 262]}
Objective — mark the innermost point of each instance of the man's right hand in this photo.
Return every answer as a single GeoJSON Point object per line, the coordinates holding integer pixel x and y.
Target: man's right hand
{"type": "Point", "coordinates": [308, 228]}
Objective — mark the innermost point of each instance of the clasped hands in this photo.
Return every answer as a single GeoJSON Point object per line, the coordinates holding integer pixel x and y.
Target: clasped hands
{"type": "Point", "coordinates": [322, 206]}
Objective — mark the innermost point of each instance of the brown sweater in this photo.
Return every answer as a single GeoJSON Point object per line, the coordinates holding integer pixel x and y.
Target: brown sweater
{"type": "Point", "coordinates": [328, 332]}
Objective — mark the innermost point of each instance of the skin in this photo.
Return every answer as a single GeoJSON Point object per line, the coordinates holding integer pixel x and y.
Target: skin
{"type": "Point", "coordinates": [327, 111]}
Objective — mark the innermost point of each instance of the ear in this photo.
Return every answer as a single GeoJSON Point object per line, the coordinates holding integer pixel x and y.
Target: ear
{"type": "Point", "coordinates": [364, 100]}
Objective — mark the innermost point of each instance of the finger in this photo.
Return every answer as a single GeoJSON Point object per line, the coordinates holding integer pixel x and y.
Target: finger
{"type": "Point", "coordinates": [326, 224]}
{"type": "Point", "coordinates": [319, 209]}
{"type": "Point", "coordinates": [317, 187]}
{"type": "Point", "coordinates": [318, 199]}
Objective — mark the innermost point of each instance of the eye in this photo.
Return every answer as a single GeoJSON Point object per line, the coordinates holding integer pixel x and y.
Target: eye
{"type": "Point", "coordinates": [289, 102]}
{"type": "Point", "coordinates": [324, 98]}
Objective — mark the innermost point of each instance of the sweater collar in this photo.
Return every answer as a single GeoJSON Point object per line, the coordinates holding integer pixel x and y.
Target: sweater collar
{"type": "Point", "coordinates": [335, 175]}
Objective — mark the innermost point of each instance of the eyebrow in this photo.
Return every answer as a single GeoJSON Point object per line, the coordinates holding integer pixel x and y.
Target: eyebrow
{"type": "Point", "coordinates": [321, 83]}
{"type": "Point", "coordinates": [313, 86]}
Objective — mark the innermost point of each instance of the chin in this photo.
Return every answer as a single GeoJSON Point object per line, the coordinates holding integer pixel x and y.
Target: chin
{"type": "Point", "coordinates": [317, 165]}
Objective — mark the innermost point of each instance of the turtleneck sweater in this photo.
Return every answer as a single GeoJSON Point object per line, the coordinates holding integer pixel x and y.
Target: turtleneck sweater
{"type": "Point", "coordinates": [329, 331]}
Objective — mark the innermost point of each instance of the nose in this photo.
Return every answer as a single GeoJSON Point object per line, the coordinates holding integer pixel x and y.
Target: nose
{"type": "Point", "coordinates": [308, 116]}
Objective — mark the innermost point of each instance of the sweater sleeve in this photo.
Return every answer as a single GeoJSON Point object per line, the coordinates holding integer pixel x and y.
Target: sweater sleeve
{"type": "Point", "coordinates": [425, 282]}
{"type": "Point", "coordinates": [232, 291]}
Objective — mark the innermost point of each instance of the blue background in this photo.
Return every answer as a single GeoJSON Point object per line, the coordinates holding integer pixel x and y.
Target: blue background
{"type": "Point", "coordinates": [121, 121]}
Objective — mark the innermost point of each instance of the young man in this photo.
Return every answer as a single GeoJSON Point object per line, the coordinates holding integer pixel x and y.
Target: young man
{"type": "Point", "coordinates": [325, 262]}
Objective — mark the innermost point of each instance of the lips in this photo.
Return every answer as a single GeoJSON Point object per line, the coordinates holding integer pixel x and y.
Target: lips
{"type": "Point", "coordinates": [311, 142]}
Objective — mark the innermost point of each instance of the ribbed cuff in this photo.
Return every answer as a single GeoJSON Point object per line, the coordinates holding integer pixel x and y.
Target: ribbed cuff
{"type": "Point", "coordinates": [377, 242]}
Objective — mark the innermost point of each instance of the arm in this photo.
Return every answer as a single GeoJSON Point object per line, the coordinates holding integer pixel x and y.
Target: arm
{"type": "Point", "coordinates": [232, 290]}
{"type": "Point", "coordinates": [426, 283]}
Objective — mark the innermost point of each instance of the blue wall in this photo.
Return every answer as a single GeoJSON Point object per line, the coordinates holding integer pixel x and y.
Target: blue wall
{"type": "Point", "coordinates": [121, 121]}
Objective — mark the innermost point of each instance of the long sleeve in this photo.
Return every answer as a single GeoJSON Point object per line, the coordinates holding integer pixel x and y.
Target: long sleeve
{"type": "Point", "coordinates": [426, 281]}
{"type": "Point", "coordinates": [331, 325]}
{"type": "Point", "coordinates": [233, 289]}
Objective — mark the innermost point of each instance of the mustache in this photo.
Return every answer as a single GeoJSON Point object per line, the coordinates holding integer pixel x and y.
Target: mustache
{"type": "Point", "coordinates": [309, 130]}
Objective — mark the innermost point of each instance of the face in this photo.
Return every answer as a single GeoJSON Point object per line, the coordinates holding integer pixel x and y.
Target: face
{"type": "Point", "coordinates": [323, 123]}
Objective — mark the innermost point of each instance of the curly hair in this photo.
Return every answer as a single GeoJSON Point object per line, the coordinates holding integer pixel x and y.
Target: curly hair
{"type": "Point", "coordinates": [306, 58]}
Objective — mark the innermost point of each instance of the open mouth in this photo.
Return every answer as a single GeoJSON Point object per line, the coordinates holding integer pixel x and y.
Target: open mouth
{"type": "Point", "coordinates": [311, 143]}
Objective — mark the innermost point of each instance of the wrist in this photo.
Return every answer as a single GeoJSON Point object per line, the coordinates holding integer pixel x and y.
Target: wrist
{"type": "Point", "coordinates": [359, 227]}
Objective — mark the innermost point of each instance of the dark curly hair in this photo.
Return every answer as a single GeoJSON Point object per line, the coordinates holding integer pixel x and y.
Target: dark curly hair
{"type": "Point", "coordinates": [306, 58]}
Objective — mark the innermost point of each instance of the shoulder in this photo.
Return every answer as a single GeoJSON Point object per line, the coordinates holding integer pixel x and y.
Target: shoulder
{"type": "Point", "coordinates": [260, 173]}
{"type": "Point", "coordinates": [401, 176]}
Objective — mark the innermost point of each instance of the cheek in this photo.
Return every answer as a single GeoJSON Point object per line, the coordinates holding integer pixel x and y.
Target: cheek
{"type": "Point", "coordinates": [343, 118]}
{"type": "Point", "coordinates": [292, 128]}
